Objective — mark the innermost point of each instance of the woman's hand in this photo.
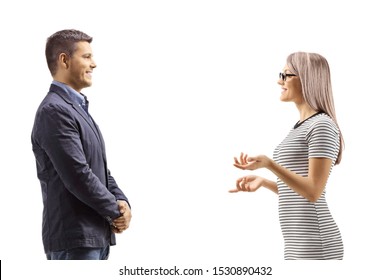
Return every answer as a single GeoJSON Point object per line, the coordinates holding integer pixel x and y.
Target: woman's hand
{"type": "Point", "coordinates": [251, 163]}
{"type": "Point", "coordinates": [248, 183]}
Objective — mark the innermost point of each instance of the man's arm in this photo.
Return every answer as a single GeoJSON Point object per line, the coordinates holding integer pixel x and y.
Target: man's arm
{"type": "Point", "coordinates": [115, 190]}
{"type": "Point", "coordinates": [123, 222]}
{"type": "Point", "coordinates": [59, 136]}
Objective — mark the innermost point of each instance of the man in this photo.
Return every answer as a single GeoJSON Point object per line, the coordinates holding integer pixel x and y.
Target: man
{"type": "Point", "coordinates": [83, 207]}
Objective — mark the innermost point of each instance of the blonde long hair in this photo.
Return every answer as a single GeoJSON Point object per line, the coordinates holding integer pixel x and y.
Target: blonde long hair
{"type": "Point", "coordinates": [314, 73]}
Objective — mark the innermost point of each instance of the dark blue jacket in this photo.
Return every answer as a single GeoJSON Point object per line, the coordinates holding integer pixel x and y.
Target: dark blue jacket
{"type": "Point", "coordinates": [79, 194]}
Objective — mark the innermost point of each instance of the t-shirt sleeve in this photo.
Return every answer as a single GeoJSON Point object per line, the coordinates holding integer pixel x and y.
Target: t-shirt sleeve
{"type": "Point", "coordinates": [323, 139]}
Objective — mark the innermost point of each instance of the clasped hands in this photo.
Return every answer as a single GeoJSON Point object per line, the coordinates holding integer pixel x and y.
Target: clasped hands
{"type": "Point", "coordinates": [122, 223]}
{"type": "Point", "coordinates": [250, 183]}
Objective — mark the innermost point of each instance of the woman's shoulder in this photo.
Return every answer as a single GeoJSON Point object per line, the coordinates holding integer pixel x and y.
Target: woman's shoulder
{"type": "Point", "coordinates": [322, 118]}
{"type": "Point", "coordinates": [324, 121]}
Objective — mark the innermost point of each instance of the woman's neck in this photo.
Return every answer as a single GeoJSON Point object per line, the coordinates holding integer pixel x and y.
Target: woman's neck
{"type": "Point", "coordinates": [305, 111]}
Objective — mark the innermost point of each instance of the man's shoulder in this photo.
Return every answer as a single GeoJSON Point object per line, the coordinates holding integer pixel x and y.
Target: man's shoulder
{"type": "Point", "coordinates": [52, 100]}
{"type": "Point", "coordinates": [55, 96]}
{"type": "Point", "coordinates": [53, 104]}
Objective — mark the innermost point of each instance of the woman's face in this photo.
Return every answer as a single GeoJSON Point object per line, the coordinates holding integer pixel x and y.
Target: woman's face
{"type": "Point", "coordinates": [291, 87]}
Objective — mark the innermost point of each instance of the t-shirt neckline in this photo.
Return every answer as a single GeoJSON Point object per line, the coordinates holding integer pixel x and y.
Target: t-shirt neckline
{"type": "Point", "coordinates": [298, 124]}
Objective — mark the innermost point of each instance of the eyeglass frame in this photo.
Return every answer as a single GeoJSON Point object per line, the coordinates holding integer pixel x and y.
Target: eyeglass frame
{"type": "Point", "coordinates": [284, 76]}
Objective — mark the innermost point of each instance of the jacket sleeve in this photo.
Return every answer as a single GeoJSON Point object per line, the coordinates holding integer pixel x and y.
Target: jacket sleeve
{"type": "Point", "coordinates": [59, 136]}
{"type": "Point", "coordinates": [115, 190]}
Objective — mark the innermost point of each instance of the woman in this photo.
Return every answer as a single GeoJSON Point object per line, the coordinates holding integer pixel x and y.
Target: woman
{"type": "Point", "coordinates": [303, 162]}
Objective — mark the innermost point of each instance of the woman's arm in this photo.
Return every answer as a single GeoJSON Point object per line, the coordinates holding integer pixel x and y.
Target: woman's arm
{"type": "Point", "coordinates": [271, 185]}
{"type": "Point", "coordinates": [310, 187]}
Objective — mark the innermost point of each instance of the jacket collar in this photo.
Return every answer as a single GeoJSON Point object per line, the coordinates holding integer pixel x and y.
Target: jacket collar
{"type": "Point", "coordinates": [68, 99]}
{"type": "Point", "coordinates": [63, 94]}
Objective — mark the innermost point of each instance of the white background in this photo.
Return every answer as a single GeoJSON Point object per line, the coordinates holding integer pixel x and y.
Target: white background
{"type": "Point", "coordinates": [181, 88]}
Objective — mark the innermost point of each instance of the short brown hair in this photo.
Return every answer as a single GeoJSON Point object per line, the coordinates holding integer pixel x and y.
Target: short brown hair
{"type": "Point", "coordinates": [63, 41]}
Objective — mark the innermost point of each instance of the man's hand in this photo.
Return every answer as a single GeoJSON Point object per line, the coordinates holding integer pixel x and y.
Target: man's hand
{"type": "Point", "coordinates": [122, 223]}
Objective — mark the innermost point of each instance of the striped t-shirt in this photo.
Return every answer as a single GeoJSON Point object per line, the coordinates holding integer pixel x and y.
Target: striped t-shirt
{"type": "Point", "coordinates": [308, 228]}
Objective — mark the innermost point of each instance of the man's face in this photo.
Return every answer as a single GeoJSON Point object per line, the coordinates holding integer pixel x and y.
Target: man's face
{"type": "Point", "coordinates": [81, 65]}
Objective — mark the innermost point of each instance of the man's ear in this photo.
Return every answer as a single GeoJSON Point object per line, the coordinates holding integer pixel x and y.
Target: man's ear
{"type": "Point", "coordinates": [63, 60]}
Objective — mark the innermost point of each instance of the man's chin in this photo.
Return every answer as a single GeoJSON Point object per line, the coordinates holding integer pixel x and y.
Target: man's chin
{"type": "Point", "coordinates": [88, 84]}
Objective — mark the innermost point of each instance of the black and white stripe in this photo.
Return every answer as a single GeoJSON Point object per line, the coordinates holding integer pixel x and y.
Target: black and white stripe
{"type": "Point", "coordinates": [308, 228]}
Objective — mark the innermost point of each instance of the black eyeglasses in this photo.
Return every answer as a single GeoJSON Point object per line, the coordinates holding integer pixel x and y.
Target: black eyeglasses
{"type": "Point", "coordinates": [284, 76]}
